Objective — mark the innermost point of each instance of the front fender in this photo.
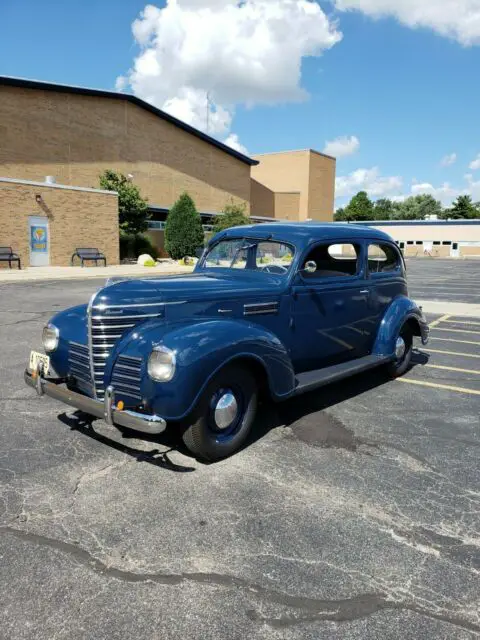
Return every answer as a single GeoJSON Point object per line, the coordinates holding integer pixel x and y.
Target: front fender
{"type": "Point", "coordinates": [201, 350]}
{"type": "Point", "coordinates": [401, 310]}
{"type": "Point", "coordinates": [72, 325]}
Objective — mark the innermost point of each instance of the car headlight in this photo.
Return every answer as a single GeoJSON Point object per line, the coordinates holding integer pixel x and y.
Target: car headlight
{"type": "Point", "coordinates": [161, 364]}
{"type": "Point", "coordinates": [50, 337]}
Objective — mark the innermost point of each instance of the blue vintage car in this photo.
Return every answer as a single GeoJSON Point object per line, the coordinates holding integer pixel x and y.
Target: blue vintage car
{"type": "Point", "coordinates": [278, 309]}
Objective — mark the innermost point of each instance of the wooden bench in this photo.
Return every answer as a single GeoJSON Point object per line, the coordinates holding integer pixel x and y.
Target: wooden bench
{"type": "Point", "coordinates": [7, 255]}
{"type": "Point", "coordinates": [88, 253]}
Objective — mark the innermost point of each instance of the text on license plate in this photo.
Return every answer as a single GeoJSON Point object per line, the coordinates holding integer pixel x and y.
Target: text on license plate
{"type": "Point", "coordinates": [37, 358]}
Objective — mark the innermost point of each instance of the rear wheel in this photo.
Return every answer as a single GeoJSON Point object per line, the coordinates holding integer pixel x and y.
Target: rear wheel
{"type": "Point", "coordinates": [224, 414]}
{"type": "Point", "coordinates": [403, 353]}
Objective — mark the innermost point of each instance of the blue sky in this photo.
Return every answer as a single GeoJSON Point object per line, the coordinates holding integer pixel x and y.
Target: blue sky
{"type": "Point", "coordinates": [410, 96]}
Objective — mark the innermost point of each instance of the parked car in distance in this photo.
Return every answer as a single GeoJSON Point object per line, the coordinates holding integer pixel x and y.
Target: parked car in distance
{"type": "Point", "coordinates": [279, 309]}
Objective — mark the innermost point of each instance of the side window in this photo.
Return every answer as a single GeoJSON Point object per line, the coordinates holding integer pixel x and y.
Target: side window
{"type": "Point", "coordinates": [334, 260]}
{"type": "Point", "coordinates": [382, 258]}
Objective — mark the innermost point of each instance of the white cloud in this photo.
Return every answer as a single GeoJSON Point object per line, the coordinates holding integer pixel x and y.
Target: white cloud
{"type": "Point", "coordinates": [457, 19]}
{"type": "Point", "coordinates": [247, 52]}
{"type": "Point", "coordinates": [368, 180]}
{"type": "Point", "coordinates": [449, 159]}
{"type": "Point", "coordinates": [342, 146]}
{"type": "Point", "coordinates": [446, 193]}
{"type": "Point", "coordinates": [475, 164]}
{"type": "Point", "coordinates": [233, 141]}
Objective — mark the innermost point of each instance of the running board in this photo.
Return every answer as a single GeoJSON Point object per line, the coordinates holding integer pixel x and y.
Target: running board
{"type": "Point", "coordinates": [313, 379]}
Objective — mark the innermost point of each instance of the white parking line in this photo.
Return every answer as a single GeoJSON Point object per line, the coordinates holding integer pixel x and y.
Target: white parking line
{"type": "Point", "coordinates": [435, 385]}
{"type": "Point", "coordinates": [463, 322]}
{"type": "Point", "coordinates": [454, 353]}
{"type": "Point", "coordinates": [475, 333]}
{"type": "Point", "coordinates": [455, 340]}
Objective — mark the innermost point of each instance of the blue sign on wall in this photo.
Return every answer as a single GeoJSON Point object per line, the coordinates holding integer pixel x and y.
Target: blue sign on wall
{"type": "Point", "coordinates": [38, 238]}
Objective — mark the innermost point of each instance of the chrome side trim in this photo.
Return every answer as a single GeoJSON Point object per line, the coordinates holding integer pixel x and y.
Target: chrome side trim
{"type": "Point", "coordinates": [138, 304]}
{"type": "Point", "coordinates": [145, 315]}
{"type": "Point", "coordinates": [260, 308]}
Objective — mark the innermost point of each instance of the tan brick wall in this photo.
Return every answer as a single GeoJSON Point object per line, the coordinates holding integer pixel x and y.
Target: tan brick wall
{"type": "Point", "coordinates": [76, 219]}
{"type": "Point", "coordinates": [287, 205]}
{"type": "Point", "coordinates": [321, 187]}
{"type": "Point", "coordinates": [75, 138]}
{"type": "Point", "coordinates": [262, 200]}
{"type": "Point", "coordinates": [309, 173]}
{"type": "Point", "coordinates": [287, 171]}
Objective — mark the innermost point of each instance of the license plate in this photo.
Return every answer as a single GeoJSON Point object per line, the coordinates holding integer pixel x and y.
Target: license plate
{"type": "Point", "coordinates": [37, 358]}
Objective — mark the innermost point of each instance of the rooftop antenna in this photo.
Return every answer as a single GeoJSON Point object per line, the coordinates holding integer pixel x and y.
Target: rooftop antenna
{"type": "Point", "coordinates": [208, 110]}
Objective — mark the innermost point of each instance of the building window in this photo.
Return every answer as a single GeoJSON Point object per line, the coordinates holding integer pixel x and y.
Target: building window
{"type": "Point", "coordinates": [447, 243]}
{"type": "Point", "coordinates": [410, 242]}
{"type": "Point", "coordinates": [156, 225]}
{"type": "Point", "coordinates": [436, 242]}
{"type": "Point", "coordinates": [419, 242]}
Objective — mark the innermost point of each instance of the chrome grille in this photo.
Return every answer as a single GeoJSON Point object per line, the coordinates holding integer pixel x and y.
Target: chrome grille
{"type": "Point", "coordinates": [104, 331]}
{"type": "Point", "coordinates": [79, 362]}
{"type": "Point", "coordinates": [126, 376]}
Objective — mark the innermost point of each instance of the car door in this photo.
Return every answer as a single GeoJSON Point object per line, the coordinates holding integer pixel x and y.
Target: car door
{"type": "Point", "coordinates": [330, 307]}
{"type": "Point", "coordinates": [386, 272]}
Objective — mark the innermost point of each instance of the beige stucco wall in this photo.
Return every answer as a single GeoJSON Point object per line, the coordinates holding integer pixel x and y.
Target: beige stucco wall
{"type": "Point", "coordinates": [307, 172]}
{"type": "Point", "coordinates": [75, 138]}
{"type": "Point", "coordinates": [429, 232]}
{"type": "Point", "coordinates": [77, 218]}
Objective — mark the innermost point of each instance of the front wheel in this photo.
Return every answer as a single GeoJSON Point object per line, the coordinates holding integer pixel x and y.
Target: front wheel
{"type": "Point", "coordinates": [224, 414]}
{"type": "Point", "coordinates": [403, 353]}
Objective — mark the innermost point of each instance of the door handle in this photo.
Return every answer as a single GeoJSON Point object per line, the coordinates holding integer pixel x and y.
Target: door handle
{"type": "Point", "coordinates": [365, 291]}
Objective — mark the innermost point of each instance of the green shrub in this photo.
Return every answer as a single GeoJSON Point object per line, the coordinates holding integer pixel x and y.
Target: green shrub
{"type": "Point", "coordinates": [133, 245]}
{"type": "Point", "coordinates": [183, 231]}
{"type": "Point", "coordinates": [233, 215]}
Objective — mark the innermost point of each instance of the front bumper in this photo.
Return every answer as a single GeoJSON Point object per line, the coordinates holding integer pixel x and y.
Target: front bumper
{"type": "Point", "coordinates": [145, 423]}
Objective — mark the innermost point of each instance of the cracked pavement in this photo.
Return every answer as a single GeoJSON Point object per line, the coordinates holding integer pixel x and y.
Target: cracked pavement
{"type": "Point", "coordinates": [352, 513]}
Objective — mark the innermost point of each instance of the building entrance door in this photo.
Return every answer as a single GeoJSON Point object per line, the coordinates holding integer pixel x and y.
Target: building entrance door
{"type": "Point", "coordinates": [39, 238]}
{"type": "Point", "coordinates": [454, 251]}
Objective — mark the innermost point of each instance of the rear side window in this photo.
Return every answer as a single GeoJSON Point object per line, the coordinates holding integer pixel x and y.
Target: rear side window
{"type": "Point", "coordinates": [334, 260]}
{"type": "Point", "coordinates": [382, 258]}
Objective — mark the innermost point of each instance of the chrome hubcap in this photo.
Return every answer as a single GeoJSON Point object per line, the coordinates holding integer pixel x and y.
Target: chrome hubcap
{"type": "Point", "coordinates": [400, 348]}
{"type": "Point", "coordinates": [225, 410]}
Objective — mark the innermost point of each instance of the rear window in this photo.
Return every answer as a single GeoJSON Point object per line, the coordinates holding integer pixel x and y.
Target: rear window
{"type": "Point", "coordinates": [382, 258]}
{"type": "Point", "coordinates": [334, 260]}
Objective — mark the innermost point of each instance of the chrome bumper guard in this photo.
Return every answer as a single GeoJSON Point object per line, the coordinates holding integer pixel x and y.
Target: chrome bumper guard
{"type": "Point", "coordinates": [107, 410]}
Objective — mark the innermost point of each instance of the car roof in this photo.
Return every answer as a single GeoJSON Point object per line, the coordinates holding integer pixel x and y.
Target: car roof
{"type": "Point", "coordinates": [303, 234]}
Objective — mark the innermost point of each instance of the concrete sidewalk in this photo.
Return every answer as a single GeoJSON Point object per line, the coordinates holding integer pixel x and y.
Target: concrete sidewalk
{"type": "Point", "coordinates": [31, 274]}
{"type": "Point", "coordinates": [450, 308]}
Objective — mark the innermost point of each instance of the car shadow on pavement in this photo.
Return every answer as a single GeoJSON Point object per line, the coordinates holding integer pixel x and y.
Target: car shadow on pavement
{"type": "Point", "coordinates": [306, 414]}
{"type": "Point", "coordinates": [83, 423]}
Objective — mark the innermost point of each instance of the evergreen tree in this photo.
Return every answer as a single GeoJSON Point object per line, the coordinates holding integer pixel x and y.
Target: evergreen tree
{"type": "Point", "coordinates": [183, 230]}
{"type": "Point", "coordinates": [463, 207]}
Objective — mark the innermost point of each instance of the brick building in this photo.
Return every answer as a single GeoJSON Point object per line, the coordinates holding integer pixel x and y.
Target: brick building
{"type": "Point", "coordinates": [73, 134]}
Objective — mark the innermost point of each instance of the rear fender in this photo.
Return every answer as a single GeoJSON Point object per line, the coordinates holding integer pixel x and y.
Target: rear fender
{"type": "Point", "coordinates": [402, 310]}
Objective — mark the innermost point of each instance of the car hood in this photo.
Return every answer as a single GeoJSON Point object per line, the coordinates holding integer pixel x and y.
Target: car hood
{"type": "Point", "coordinates": [188, 288]}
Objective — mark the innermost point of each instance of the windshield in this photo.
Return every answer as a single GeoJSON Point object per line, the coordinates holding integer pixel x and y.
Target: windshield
{"type": "Point", "coordinates": [247, 253]}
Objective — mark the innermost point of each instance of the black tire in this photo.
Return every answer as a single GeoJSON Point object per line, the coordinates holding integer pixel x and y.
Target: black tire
{"type": "Point", "coordinates": [204, 438]}
{"type": "Point", "coordinates": [400, 366]}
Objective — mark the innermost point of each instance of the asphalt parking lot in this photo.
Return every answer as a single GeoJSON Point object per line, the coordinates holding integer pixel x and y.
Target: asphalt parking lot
{"type": "Point", "coordinates": [352, 513]}
{"type": "Point", "coordinates": [437, 279]}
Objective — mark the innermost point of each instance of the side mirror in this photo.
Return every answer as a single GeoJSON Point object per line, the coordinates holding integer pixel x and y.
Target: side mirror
{"type": "Point", "coordinates": [310, 266]}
